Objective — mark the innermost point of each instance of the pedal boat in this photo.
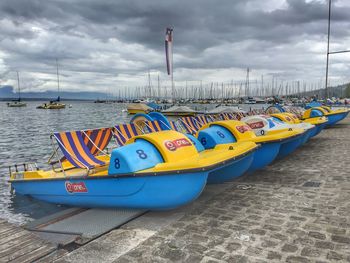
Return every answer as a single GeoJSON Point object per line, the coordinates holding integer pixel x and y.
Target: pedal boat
{"type": "Point", "coordinates": [333, 116]}
{"type": "Point", "coordinates": [155, 171]}
{"type": "Point", "coordinates": [242, 152]}
{"type": "Point", "coordinates": [289, 121]}
{"type": "Point", "coordinates": [312, 116]}
{"type": "Point", "coordinates": [264, 124]}
{"type": "Point", "coordinates": [272, 144]}
{"type": "Point", "coordinates": [319, 122]}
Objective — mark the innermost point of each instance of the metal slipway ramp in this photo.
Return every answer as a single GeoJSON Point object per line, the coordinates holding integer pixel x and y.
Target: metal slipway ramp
{"type": "Point", "coordinates": [80, 225]}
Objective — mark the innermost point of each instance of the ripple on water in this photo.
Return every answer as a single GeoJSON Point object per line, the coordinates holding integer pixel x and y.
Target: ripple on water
{"type": "Point", "coordinates": [25, 136]}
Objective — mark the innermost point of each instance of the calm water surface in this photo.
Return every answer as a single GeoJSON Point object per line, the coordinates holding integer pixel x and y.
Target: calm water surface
{"type": "Point", "coordinates": [25, 136]}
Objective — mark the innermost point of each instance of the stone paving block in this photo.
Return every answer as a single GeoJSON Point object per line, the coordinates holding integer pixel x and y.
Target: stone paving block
{"type": "Point", "coordinates": [288, 248]}
{"type": "Point", "coordinates": [341, 239]}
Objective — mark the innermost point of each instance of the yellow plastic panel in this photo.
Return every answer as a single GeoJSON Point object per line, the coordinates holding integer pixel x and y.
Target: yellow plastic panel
{"type": "Point", "coordinates": [316, 120]}
{"type": "Point", "coordinates": [206, 158]}
{"type": "Point", "coordinates": [239, 129]}
{"type": "Point", "coordinates": [286, 117]}
{"type": "Point", "coordinates": [173, 146]}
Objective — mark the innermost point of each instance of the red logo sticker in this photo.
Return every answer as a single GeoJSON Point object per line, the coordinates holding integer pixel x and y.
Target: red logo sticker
{"type": "Point", "coordinates": [243, 128]}
{"type": "Point", "coordinates": [78, 187]}
{"type": "Point", "coordinates": [175, 144]}
{"type": "Point", "coordinates": [256, 125]}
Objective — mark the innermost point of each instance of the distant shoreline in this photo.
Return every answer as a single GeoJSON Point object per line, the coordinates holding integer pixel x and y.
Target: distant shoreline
{"type": "Point", "coordinates": [44, 99]}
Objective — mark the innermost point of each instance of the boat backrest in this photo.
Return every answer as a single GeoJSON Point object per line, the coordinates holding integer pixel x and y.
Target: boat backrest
{"type": "Point", "coordinates": [97, 139]}
{"type": "Point", "coordinates": [190, 124]}
{"type": "Point", "coordinates": [153, 126]}
{"type": "Point", "coordinates": [124, 132]}
{"type": "Point", "coordinates": [227, 116]}
{"type": "Point", "coordinates": [202, 119]}
{"type": "Point", "coordinates": [75, 150]}
{"type": "Point", "coordinates": [174, 125]}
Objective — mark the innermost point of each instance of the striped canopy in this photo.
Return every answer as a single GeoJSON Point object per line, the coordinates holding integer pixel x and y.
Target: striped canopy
{"type": "Point", "coordinates": [75, 150]}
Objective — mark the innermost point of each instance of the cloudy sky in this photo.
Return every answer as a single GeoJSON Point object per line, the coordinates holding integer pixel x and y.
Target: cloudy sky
{"type": "Point", "coordinates": [108, 44]}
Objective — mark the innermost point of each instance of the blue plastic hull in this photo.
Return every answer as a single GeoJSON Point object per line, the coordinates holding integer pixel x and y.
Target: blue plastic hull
{"type": "Point", "coordinates": [289, 146]}
{"type": "Point", "coordinates": [231, 171]}
{"type": "Point", "coordinates": [264, 155]}
{"type": "Point", "coordinates": [149, 192]}
{"type": "Point", "coordinates": [334, 118]}
{"type": "Point", "coordinates": [318, 129]}
{"type": "Point", "coordinates": [307, 135]}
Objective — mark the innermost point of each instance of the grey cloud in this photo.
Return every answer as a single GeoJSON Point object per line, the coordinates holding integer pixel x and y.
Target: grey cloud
{"type": "Point", "coordinates": [208, 35]}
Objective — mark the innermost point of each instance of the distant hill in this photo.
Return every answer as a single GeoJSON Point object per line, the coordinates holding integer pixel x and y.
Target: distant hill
{"type": "Point", "coordinates": [7, 92]}
{"type": "Point", "coordinates": [339, 91]}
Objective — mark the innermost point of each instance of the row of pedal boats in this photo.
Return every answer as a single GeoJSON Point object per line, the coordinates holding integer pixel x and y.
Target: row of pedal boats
{"type": "Point", "coordinates": [162, 164]}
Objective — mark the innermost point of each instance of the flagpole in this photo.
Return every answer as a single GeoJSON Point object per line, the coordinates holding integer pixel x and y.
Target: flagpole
{"type": "Point", "coordinates": [172, 70]}
{"type": "Point", "coordinates": [169, 59]}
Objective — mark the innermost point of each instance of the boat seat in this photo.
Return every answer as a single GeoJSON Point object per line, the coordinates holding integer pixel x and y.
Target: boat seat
{"type": "Point", "coordinates": [174, 126]}
{"type": "Point", "coordinates": [154, 126]}
{"type": "Point", "coordinates": [97, 139]}
{"type": "Point", "coordinates": [76, 151]}
{"type": "Point", "coordinates": [123, 132]}
{"type": "Point", "coordinates": [190, 124]}
{"type": "Point", "coordinates": [203, 119]}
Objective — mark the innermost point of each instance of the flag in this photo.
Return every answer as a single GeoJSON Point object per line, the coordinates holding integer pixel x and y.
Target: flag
{"type": "Point", "coordinates": [169, 49]}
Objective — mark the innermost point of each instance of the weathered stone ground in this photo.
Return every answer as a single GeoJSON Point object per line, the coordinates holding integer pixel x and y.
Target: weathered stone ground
{"type": "Point", "coordinates": [269, 216]}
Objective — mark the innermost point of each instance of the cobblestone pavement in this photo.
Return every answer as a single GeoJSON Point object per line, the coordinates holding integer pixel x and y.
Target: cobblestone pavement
{"type": "Point", "coordinates": [268, 216]}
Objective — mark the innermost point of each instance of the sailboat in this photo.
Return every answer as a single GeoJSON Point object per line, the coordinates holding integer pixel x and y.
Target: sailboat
{"type": "Point", "coordinates": [54, 104]}
{"type": "Point", "coordinates": [17, 102]}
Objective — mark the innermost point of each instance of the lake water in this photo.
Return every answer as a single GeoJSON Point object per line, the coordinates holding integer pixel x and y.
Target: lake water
{"type": "Point", "coordinates": [25, 136]}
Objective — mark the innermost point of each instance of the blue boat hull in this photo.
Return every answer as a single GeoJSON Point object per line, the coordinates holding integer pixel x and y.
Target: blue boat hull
{"type": "Point", "coordinates": [231, 171]}
{"type": "Point", "coordinates": [148, 192]}
{"type": "Point", "coordinates": [334, 118]}
{"type": "Point", "coordinates": [319, 128]}
{"type": "Point", "coordinates": [289, 146]}
{"type": "Point", "coordinates": [307, 135]}
{"type": "Point", "coordinates": [264, 155]}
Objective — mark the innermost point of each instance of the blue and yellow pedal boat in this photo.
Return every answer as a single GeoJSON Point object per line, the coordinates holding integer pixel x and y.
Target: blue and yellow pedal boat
{"type": "Point", "coordinates": [272, 144]}
{"type": "Point", "coordinates": [311, 115]}
{"type": "Point", "coordinates": [242, 152]}
{"type": "Point", "coordinates": [333, 116]}
{"type": "Point", "coordinates": [319, 122]}
{"type": "Point", "coordinates": [162, 170]}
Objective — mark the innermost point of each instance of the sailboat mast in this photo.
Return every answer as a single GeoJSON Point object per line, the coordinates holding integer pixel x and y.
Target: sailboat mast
{"type": "Point", "coordinates": [149, 84]}
{"type": "Point", "coordinates": [19, 87]}
{"type": "Point", "coordinates": [58, 79]}
{"type": "Point", "coordinates": [159, 88]}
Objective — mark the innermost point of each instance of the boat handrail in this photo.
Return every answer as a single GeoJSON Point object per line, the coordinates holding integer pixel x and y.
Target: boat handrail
{"type": "Point", "coordinates": [28, 166]}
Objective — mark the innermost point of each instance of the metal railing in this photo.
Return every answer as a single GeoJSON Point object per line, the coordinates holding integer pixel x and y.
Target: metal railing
{"type": "Point", "coordinates": [19, 169]}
